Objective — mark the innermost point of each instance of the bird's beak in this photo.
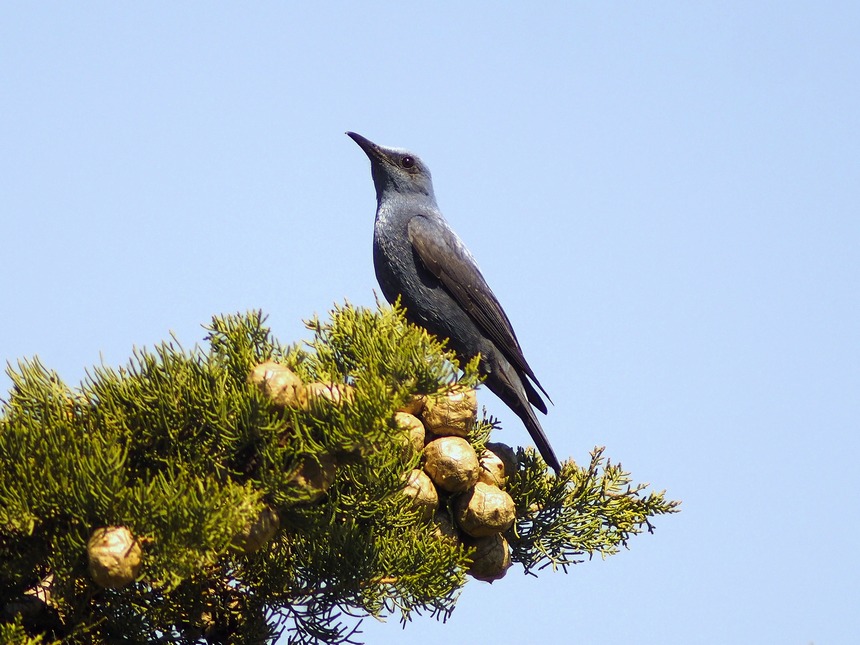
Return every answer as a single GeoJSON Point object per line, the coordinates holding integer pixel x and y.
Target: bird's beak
{"type": "Point", "coordinates": [370, 149]}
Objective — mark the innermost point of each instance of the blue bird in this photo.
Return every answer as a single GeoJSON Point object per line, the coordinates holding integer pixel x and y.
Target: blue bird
{"type": "Point", "coordinates": [419, 258]}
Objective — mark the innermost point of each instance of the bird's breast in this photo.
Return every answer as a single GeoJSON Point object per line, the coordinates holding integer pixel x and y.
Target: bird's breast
{"type": "Point", "coordinates": [392, 256]}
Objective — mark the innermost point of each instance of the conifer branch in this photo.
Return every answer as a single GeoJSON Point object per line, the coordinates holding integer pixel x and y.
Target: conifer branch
{"type": "Point", "coordinates": [254, 517]}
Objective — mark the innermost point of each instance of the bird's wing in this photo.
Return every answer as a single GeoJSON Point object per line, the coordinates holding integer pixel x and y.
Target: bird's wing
{"type": "Point", "coordinates": [444, 256]}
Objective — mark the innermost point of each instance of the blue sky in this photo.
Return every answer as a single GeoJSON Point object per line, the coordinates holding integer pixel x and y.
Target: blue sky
{"type": "Point", "coordinates": [662, 195]}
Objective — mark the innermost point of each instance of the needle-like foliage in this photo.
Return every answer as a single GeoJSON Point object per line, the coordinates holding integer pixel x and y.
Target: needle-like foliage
{"type": "Point", "coordinates": [179, 447]}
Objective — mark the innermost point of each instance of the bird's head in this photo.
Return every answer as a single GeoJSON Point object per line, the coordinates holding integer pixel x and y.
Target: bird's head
{"type": "Point", "coordinates": [395, 170]}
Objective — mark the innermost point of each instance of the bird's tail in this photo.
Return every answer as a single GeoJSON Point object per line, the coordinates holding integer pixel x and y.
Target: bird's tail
{"type": "Point", "coordinates": [534, 397]}
{"type": "Point", "coordinates": [527, 414]}
{"type": "Point", "coordinates": [506, 383]}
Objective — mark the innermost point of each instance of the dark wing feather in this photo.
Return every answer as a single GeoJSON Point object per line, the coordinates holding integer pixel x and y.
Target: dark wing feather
{"type": "Point", "coordinates": [444, 256]}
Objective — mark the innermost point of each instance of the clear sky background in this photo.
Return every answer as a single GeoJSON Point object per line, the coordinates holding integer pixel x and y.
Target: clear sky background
{"type": "Point", "coordinates": [664, 197]}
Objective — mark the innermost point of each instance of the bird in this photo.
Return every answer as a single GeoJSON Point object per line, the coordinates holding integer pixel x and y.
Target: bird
{"type": "Point", "coordinates": [419, 258]}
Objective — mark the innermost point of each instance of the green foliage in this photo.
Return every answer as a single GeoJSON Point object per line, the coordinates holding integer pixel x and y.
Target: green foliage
{"type": "Point", "coordinates": [581, 511]}
{"type": "Point", "coordinates": [179, 447]}
{"type": "Point", "coordinates": [15, 632]}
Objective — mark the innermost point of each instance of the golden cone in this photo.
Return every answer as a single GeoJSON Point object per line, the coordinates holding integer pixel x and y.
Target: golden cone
{"type": "Point", "coordinates": [451, 463]}
{"type": "Point", "coordinates": [412, 433]}
{"type": "Point", "coordinates": [485, 510]}
{"type": "Point", "coordinates": [415, 405]}
{"type": "Point", "coordinates": [114, 557]}
{"type": "Point", "coordinates": [507, 455]}
{"type": "Point", "coordinates": [337, 393]}
{"type": "Point", "coordinates": [451, 413]}
{"type": "Point", "coordinates": [279, 384]}
{"type": "Point", "coordinates": [492, 558]}
{"type": "Point", "coordinates": [422, 492]}
{"type": "Point", "coordinates": [492, 469]}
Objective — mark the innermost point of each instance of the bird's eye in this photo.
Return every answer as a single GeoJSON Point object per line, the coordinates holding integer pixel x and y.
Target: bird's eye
{"type": "Point", "coordinates": [407, 161]}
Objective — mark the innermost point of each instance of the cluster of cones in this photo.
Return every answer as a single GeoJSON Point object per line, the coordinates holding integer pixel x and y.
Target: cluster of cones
{"type": "Point", "coordinates": [460, 491]}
